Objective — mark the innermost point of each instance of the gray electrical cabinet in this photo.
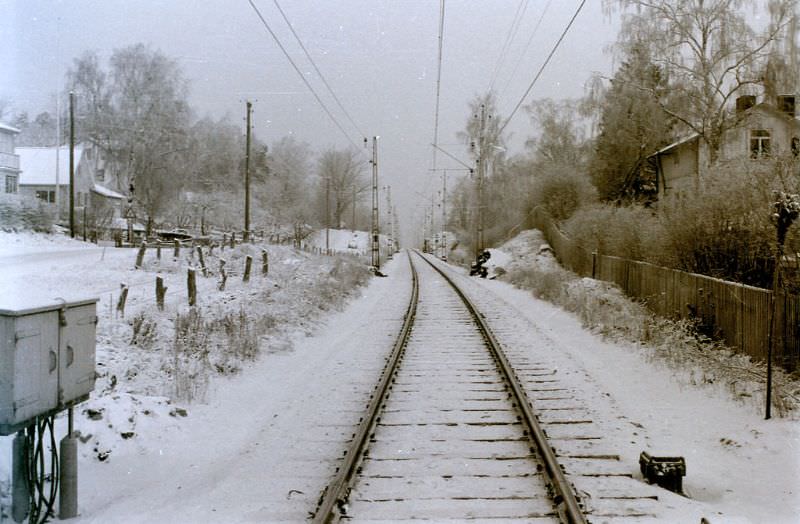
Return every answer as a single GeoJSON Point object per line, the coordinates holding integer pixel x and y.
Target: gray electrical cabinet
{"type": "Point", "coordinates": [47, 357]}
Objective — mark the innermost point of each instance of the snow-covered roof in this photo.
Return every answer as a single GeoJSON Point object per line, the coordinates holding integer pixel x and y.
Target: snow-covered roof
{"type": "Point", "coordinates": [104, 191]}
{"type": "Point", "coordinates": [121, 223]}
{"type": "Point", "coordinates": [6, 127]}
{"type": "Point", "coordinates": [676, 144]}
{"type": "Point", "coordinates": [38, 164]}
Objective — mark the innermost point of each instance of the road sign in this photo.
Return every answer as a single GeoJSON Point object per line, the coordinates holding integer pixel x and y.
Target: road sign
{"type": "Point", "coordinates": [129, 213]}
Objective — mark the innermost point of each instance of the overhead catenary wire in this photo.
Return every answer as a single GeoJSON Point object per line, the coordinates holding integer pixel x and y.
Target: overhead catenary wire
{"type": "Point", "coordinates": [512, 32]}
{"type": "Point", "coordinates": [314, 65]}
{"type": "Point", "coordinates": [527, 46]}
{"type": "Point", "coordinates": [438, 82]}
{"type": "Point", "coordinates": [301, 75]}
{"type": "Point", "coordinates": [541, 69]}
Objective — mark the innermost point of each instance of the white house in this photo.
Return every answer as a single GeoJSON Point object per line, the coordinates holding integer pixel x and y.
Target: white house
{"type": "Point", "coordinates": [44, 174]}
{"type": "Point", "coordinates": [762, 132]}
{"type": "Point", "coordinates": [9, 161]}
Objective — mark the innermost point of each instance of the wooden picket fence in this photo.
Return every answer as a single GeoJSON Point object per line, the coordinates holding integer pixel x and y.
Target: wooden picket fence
{"type": "Point", "coordinates": [734, 313]}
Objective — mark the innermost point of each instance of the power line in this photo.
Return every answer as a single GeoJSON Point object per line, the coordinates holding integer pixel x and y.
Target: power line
{"type": "Point", "coordinates": [300, 73]}
{"type": "Point", "coordinates": [512, 32]}
{"type": "Point", "coordinates": [527, 45]}
{"type": "Point", "coordinates": [438, 82]}
{"type": "Point", "coordinates": [321, 76]}
{"type": "Point", "coordinates": [539, 73]}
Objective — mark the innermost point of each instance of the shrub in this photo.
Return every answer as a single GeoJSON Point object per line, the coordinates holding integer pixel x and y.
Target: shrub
{"type": "Point", "coordinates": [21, 213]}
{"type": "Point", "coordinates": [561, 191]}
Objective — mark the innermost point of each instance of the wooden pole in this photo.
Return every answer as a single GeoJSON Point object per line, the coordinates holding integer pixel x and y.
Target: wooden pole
{"type": "Point", "coordinates": [140, 255]}
{"type": "Point", "coordinates": [123, 297]}
{"type": "Point", "coordinates": [72, 164]}
{"type": "Point", "coordinates": [202, 260]}
{"type": "Point", "coordinates": [161, 291]}
{"type": "Point", "coordinates": [247, 177]}
{"type": "Point", "coordinates": [248, 263]}
{"type": "Point", "coordinates": [264, 262]}
{"type": "Point", "coordinates": [223, 276]}
{"type": "Point", "coordinates": [191, 286]}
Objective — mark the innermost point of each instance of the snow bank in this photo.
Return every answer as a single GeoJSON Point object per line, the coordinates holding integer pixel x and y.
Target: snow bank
{"type": "Point", "coordinates": [666, 390]}
{"type": "Point", "coordinates": [151, 364]}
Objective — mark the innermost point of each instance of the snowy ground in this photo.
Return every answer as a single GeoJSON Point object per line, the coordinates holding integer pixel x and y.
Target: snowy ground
{"type": "Point", "coordinates": [150, 376]}
{"type": "Point", "coordinates": [742, 465]}
{"type": "Point", "coordinates": [345, 241]}
{"type": "Point", "coordinates": [254, 444]}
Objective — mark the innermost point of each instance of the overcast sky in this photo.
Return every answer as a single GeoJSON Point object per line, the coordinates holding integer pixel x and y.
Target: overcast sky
{"type": "Point", "coordinates": [380, 57]}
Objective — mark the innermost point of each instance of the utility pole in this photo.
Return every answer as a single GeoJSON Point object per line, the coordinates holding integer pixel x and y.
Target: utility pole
{"type": "Point", "coordinates": [72, 164]}
{"type": "Point", "coordinates": [246, 236]}
{"type": "Point", "coordinates": [353, 223]}
{"type": "Point", "coordinates": [376, 254]}
{"type": "Point", "coordinates": [391, 219]}
{"type": "Point", "coordinates": [58, 150]}
{"type": "Point", "coordinates": [327, 215]}
{"type": "Point", "coordinates": [444, 215]}
{"type": "Point", "coordinates": [481, 173]}
{"type": "Point", "coordinates": [395, 235]}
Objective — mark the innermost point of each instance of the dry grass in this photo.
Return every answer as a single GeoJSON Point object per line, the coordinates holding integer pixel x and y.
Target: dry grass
{"type": "Point", "coordinates": [694, 358]}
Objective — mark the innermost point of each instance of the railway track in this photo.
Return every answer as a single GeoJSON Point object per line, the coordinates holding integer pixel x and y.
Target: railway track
{"type": "Point", "coordinates": [450, 431]}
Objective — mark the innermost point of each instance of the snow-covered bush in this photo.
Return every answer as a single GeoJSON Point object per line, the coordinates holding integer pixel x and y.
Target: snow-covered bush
{"type": "Point", "coordinates": [561, 191]}
{"type": "Point", "coordinates": [20, 213]}
{"type": "Point", "coordinates": [632, 232]}
{"type": "Point", "coordinates": [603, 308]}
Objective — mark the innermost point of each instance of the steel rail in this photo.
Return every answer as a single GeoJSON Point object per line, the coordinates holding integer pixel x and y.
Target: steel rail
{"type": "Point", "coordinates": [337, 491]}
{"type": "Point", "coordinates": [567, 505]}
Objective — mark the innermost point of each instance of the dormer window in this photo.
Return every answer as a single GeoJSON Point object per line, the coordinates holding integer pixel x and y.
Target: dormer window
{"type": "Point", "coordinates": [100, 175]}
{"type": "Point", "coordinates": [759, 143]}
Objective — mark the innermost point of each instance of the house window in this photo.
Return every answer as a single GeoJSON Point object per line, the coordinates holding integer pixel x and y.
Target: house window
{"type": "Point", "coordinates": [101, 175]}
{"type": "Point", "coordinates": [759, 143]}
{"type": "Point", "coordinates": [46, 196]}
{"type": "Point", "coordinates": [11, 184]}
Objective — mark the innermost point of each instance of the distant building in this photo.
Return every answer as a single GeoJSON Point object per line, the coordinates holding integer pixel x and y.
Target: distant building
{"type": "Point", "coordinates": [44, 174]}
{"type": "Point", "coordinates": [762, 132]}
{"type": "Point", "coordinates": [9, 161]}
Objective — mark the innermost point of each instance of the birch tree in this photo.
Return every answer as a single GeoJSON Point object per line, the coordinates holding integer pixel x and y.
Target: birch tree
{"type": "Point", "coordinates": [710, 52]}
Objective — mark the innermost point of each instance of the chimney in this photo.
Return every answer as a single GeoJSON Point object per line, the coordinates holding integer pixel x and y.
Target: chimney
{"type": "Point", "coordinates": [786, 104]}
{"type": "Point", "coordinates": [745, 102]}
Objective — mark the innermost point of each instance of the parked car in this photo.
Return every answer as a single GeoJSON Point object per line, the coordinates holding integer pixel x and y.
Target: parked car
{"type": "Point", "coordinates": [174, 234]}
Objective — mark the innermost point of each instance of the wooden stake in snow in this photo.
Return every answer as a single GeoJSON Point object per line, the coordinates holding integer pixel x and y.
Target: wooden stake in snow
{"type": "Point", "coordinates": [202, 261]}
{"type": "Point", "coordinates": [248, 262]}
{"type": "Point", "coordinates": [233, 239]}
{"type": "Point", "coordinates": [264, 262]}
{"type": "Point", "coordinates": [161, 290]}
{"type": "Point", "coordinates": [177, 249]}
{"type": "Point", "coordinates": [123, 296]}
{"type": "Point", "coordinates": [191, 286]}
{"type": "Point", "coordinates": [158, 250]}
{"type": "Point", "coordinates": [140, 255]}
{"type": "Point", "coordinates": [223, 276]}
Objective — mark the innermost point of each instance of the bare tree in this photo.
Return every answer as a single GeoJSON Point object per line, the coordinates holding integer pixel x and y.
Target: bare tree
{"type": "Point", "coordinates": [138, 115]}
{"type": "Point", "coordinates": [708, 50]}
{"type": "Point", "coordinates": [341, 176]}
